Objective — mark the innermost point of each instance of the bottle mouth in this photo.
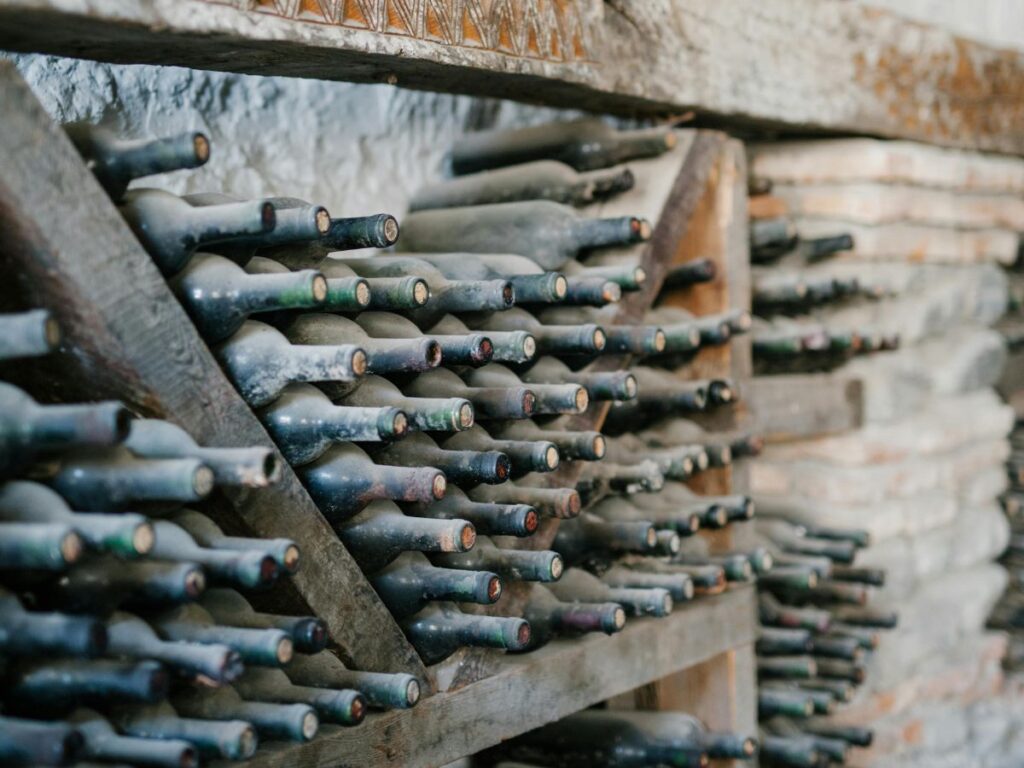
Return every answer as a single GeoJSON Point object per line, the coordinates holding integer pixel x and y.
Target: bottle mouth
{"type": "Point", "coordinates": [502, 467]}
{"type": "Point", "coordinates": [200, 148]}
{"type": "Point", "coordinates": [359, 362]}
{"type": "Point", "coordinates": [439, 486]}
{"type": "Point", "coordinates": [611, 292]}
{"type": "Point", "coordinates": [573, 504]}
{"type": "Point", "coordinates": [202, 481]}
{"type": "Point", "coordinates": [561, 287]}
{"type": "Point", "coordinates": [483, 351]}
{"type": "Point", "coordinates": [598, 447]}
{"type": "Point", "coordinates": [399, 424]}
{"type": "Point", "coordinates": [618, 619]}
{"type": "Point", "coordinates": [493, 589]}
{"type": "Point", "coordinates": [508, 295]}
{"type": "Point", "coordinates": [285, 650]}
{"type": "Point", "coordinates": [143, 538]}
{"type": "Point", "coordinates": [529, 347]}
{"type": "Point", "coordinates": [467, 537]}
{"type": "Point", "coordinates": [639, 275]}
{"type": "Point", "coordinates": [433, 354]}
{"type": "Point", "coordinates": [659, 341]}
{"type": "Point", "coordinates": [420, 293]}
{"type": "Point", "coordinates": [531, 521]}
{"type": "Point", "coordinates": [412, 693]}
{"type": "Point", "coordinates": [319, 289]}
{"type": "Point", "coordinates": [687, 465]}
{"type": "Point", "coordinates": [309, 726]}
{"type": "Point", "coordinates": [556, 568]}
{"type": "Point", "coordinates": [551, 457]}
{"type": "Point", "coordinates": [51, 332]}
{"type": "Point", "coordinates": [466, 416]}
{"type": "Point", "coordinates": [651, 538]}
{"type": "Point", "coordinates": [322, 220]}
{"type": "Point", "coordinates": [581, 400]}
{"type": "Point", "coordinates": [630, 387]}
{"type": "Point", "coordinates": [194, 583]}
{"type": "Point", "coordinates": [390, 230]}
{"type": "Point", "coordinates": [599, 340]}
{"type": "Point", "coordinates": [529, 403]}
{"type": "Point", "coordinates": [363, 293]}
{"type": "Point", "coordinates": [290, 560]}
{"type": "Point", "coordinates": [357, 709]}
{"type": "Point", "coordinates": [71, 547]}
{"type": "Point", "coordinates": [522, 635]}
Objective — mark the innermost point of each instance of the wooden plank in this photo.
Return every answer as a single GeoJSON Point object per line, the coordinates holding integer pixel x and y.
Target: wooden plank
{"type": "Point", "coordinates": [531, 690]}
{"type": "Point", "coordinates": [797, 406]}
{"type": "Point", "coordinates": [63, 246]}
{"type": "Point", "coordinates": [805, 65]}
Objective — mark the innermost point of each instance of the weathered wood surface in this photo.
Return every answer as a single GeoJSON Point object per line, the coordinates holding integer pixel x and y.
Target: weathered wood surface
{"type": "Point", "coordinates": [63, 246]}
{"type": "Point", "coordinates": [795, 406]}
{"type": "Point", "coordinates": [827, 65]}
{"type": "Point", "coordinates": [531, 690]}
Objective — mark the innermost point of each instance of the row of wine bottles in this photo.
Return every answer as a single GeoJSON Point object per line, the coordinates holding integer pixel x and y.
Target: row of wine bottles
{"type": "Point", "coordinates": [128, 632]}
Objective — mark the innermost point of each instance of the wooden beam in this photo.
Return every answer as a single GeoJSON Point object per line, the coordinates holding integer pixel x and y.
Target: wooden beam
{"type": "Point", "coordinates": [797, 406]}
{"type": "Point", "coordinates": [63, 246]}
{"type": "Point", "coordinates": [531, 690]}
{"type": "Point", "coordinates": [791, 65]}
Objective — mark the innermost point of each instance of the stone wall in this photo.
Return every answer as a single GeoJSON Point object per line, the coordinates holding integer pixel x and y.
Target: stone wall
{"type": "Point", "coordinates": [924, 473]}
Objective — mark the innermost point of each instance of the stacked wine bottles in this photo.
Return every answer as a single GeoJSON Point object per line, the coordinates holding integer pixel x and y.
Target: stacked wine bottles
{"type": "Point", "coordinates": [128, 635]}
{"type": "Point", "coordinates": [795, 285]}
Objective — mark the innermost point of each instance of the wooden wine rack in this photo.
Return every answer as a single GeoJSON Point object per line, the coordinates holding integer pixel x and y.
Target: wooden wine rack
{"type": "Point", "coordinates": [64, 246]}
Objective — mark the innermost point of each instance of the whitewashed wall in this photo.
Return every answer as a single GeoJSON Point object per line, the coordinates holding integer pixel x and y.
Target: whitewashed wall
{"type": "Point", "coordinates": [997, 22]}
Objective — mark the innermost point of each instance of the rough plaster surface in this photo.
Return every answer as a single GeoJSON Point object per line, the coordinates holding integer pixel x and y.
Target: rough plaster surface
{"type": "Point", "coordinates": [357, 149]}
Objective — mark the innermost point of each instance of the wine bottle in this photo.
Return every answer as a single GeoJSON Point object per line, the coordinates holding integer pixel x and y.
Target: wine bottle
{"type": "Point", "coordinates": [840, 690]}
{"type": "Point", "coordinates": [548, 233]}
{"type": "Point", "coordinates": [549, 617]}
{"type": "Point", "coordinates": [611, 738]}
{"type": "Point", "coordinates": [460, 464]}
{"type": "Point", "coordinates": [28, 334]}
{"type": "Point", "coordinates": [295, 221]}
{"type": "Point", "coordinates": [248, 569]}
{"type": "Point", "coordinates": [28, 430]}
{"type": "Point", "coordinates": [458, 349]}
{"type": "Point", "coordinates": [787, 667]}
{"type": "Point", "coordinates": [681, 727]}
{"type": "Point", "coordinates": [774, 641]}
{"type": "Point", "coordinates": [193, 624]}
{"type": "Point", "coordinates": [487, 518]}
{"type": "Point", "coordinates": [445, 295]}
{"type": "Point", "coordinates": [538, 180]}
{"type": "Point", "coordinates": [718, 448]}
{"type": "Point", "coordinates": [113, 478]}
{"type": "Point", "coordinates": [620, 339]}
{"type": "Point", "coordinates": [847, 648]}
{"type": "Point", "coordinates": [103, 744]}
{"type": "Point", "coordinates": [388, 294]}
{"type": "Point", "coordinates": [524, 456]}
{"type": "Point", "coordinates": [547, 398]}
{"type": "Point", "coordinates": [865, 617]}
{"type": "Point", "coordinates": [171, 230]}
{"type": "Point", "coordinates": [39, 546]}
{"type": "Point", "coordinates": [683, 522]}
{"type": "Point", "coordinates": [440, 629]}
{"type": "Point", "coordinates": [677, 461]}
{"type": "Point", "coordinates": [662, 392]}
{"type": "Point", "coordinates": [616, 266]}
{"type": "Point", "coordinates": [822, 702]}
{"type": "Point", "coordinates": [381, 532]}
{"type": "Point", "coordinates": [774, 613]}
{"type": "Point", "coordinates": [582, 446]}
{"type": "Point", "coordinates": [776, 701]}
{"type": "Point", "coordinates": [589, 290]}
{"type": "Point", "coordinates": [380, 689]}
{"type": "Point", "coordinates": [409, 582]}
{"type": "Point", "coordinates": [116, 162]}
{"type": "Point", "coordinates": [513, 564]}
{"type": "Point", "coordinates": [55, 686]}
{"type": "Point", "coordinates": [874, 577]}
{"type": "Point", "coordinates": [840, 669]}
{"type": "Point", "coordinates": [254, 467]}
{"type": "Point", "coordinates": [530, 284]}
{"type": "Point", "coordinates": [344, 480]}
{"type": "Point", "coordinates": [588, 536]}
{"type": "Point", "coordinates": [552, 502]}
{"type": "Point", "coordinates": [502, 402]}
{"type": "Point", "coordinates": [577, 584]}
{"type": "Point", "coordinates": [103, 583]}
{"type": "Point", "coordinates": [833, 751]}
{"type": "Point", "coordinates": [342, 292]}
{"type": "Point", "coordinates": [262, 362]}
{"type": "Point", "coordinates": [219, 295]}
{"type": "Point", "coordinates": [341, 707]}
{"type": "Point", "coordinates": [289, 722]}
{"type": "Point", "coordinates": [679, 585]}
{"type": "Point", "coordinates": [693, 272]}
{"type": "Point", "coordinates": [212, 739]}
{"type": "Point", "coordinates": [600, 385]}
{"type": "Point", "coordinates": [585, 144]}
{"type": "Point", "coordinates": [133, 638]}
{"type": "Point", "coordinates": [506, 346]}
{"type": "Point", "coordinates": [283, 552]}
{"type": "Point", "coordinates": [382, 355]}
{"type": "Point", "coordinates": [581, 339]}
{"type": "Point", "coordinates": [791, 538]}
{"type": "Point", "coordinates": [786, 578]}
{"type": "Point", "coordinates": [30, 633]}
{"type": "Point", "coordinates": [428, 414]}
{"type": "Point", "coordinates": [226, 606]}
{"type": "Point", "coordinates": [304, 423]}
{"type": "Point", "coordinates": [38, 742]}
{"type": "Point", "coordinates": [858, 737]}
{"type": "Point", "coordinates": [379, 230]}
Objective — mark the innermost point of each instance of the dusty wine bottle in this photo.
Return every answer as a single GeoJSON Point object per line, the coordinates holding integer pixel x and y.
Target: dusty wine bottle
{"type": "Point", "coordinates": [583, 446]}
{"type": "Point", "coordinates": [58, 685]}
{"type": "Point", "coordinates": [116, 162]}
{"type": "Point", "coordinates": [39, 546]}
{"type": "Point", "coordinates": [577, 584]}
{"type": "Point", "coordinates": [290, 722]}
{"type": "Point", "coordinates": [552, 502]}
{"type": "Point", "coordinates": [683, 728]}
{"type": "Point", "coordinates": [488, 518]}
{"type": "Point", "coordinates": [28, 334]}
{"type": "Point", "coordinates": [341, 707]}
{"type": "Point", "coordinates": [344, 480]}
{"type": "Point", "coordinates": [538, 180]}
{"type": "Point", "coordinates": [262, 362]}
{"type": "Point", "coordinates": [548, 399]}
{"type": "Point", "coordinates": [381, 532]}
{"type": "Point", "coordinates": [736, 566]}
{"type": "Point", "coordinates": [517, 564]}
{"type": "Point", "coordinates": [511, 402]}
{"type": "Point", "coordinates": [683, 522]}
{"type": "Point", "coordinates": [460, 464]}
{"type": "Point", "coordinates": [459, 349]}
{"type": "Point", "coordinates": [30, 633]}
{"type": "Point", "coordinates": [381, 690]}
{"type": "Point", "coordinates": [382, 355]}
{"type": "Point", "coordinates": [581, 339]}
{"type": "Point", "coordinates": [589, 290]}
{"type": "Point", "coordinates": [104, 583]}
{"type": "Point", "coordinates": [283, 552]}
{"type": "Point", "coordinates": [589, 535]}
{"type": "Point", "coordinates": [38, 742]}
{"type": "Point", "coordinates": [440, 629]}
{"type": "Point", "coordinates": [548, 233]}
{"type": "Point", "coordinates": [248, 569]}
{"type": "Point", "coordinates": [379, 230]}
{"type": "Point", "coordinates": [254, 467]}
{"type": "Point", "coordinates": [506, 347]}
{"type": "Point", "coordinates": [787, 667]}
{"type": "Point", "coordinates": [774, 613]}
{"type": "Point", "coordinates": [193, 624]}
{"type": "Point", "coordinates": [773, 701]}
{"type": "Point", "coordinates": [585, 144]}
{"type": "Point", "coordinates": [620, 268]}
{"type": "Point", "coordinates": [105, 745]}
{"type": "Point", "coordinates": [619, 339]}
{"type": "Point", "coordinates": [171, 230]}
{"type": "Point", "coordinates": [133, 638]}
{"type": "Point", "coordinates": [679, 585]}
{"type": "Point", "coordinates": [600, 385]}
{"type": "Point", "coordinates": [408, 583]}
{"type": "Point", "coordinates": [343, 292]}
{"type": "Point", "coordinates": [530, 284]}
{"type": "Point", "coordinates": [219, 295]}
{"type": "Point", "coordinates": [524, 456]}
{"type": "Point", "coordinates": [427, 414]}
{"type": "Point", "coordinates": [224, 739]}
{"type": "Point", "coordinates": [226, 606]}
{"type": "Point", "coordinates": [549, 617]}
{"type": "Point", "coordinates": [304, 423]}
